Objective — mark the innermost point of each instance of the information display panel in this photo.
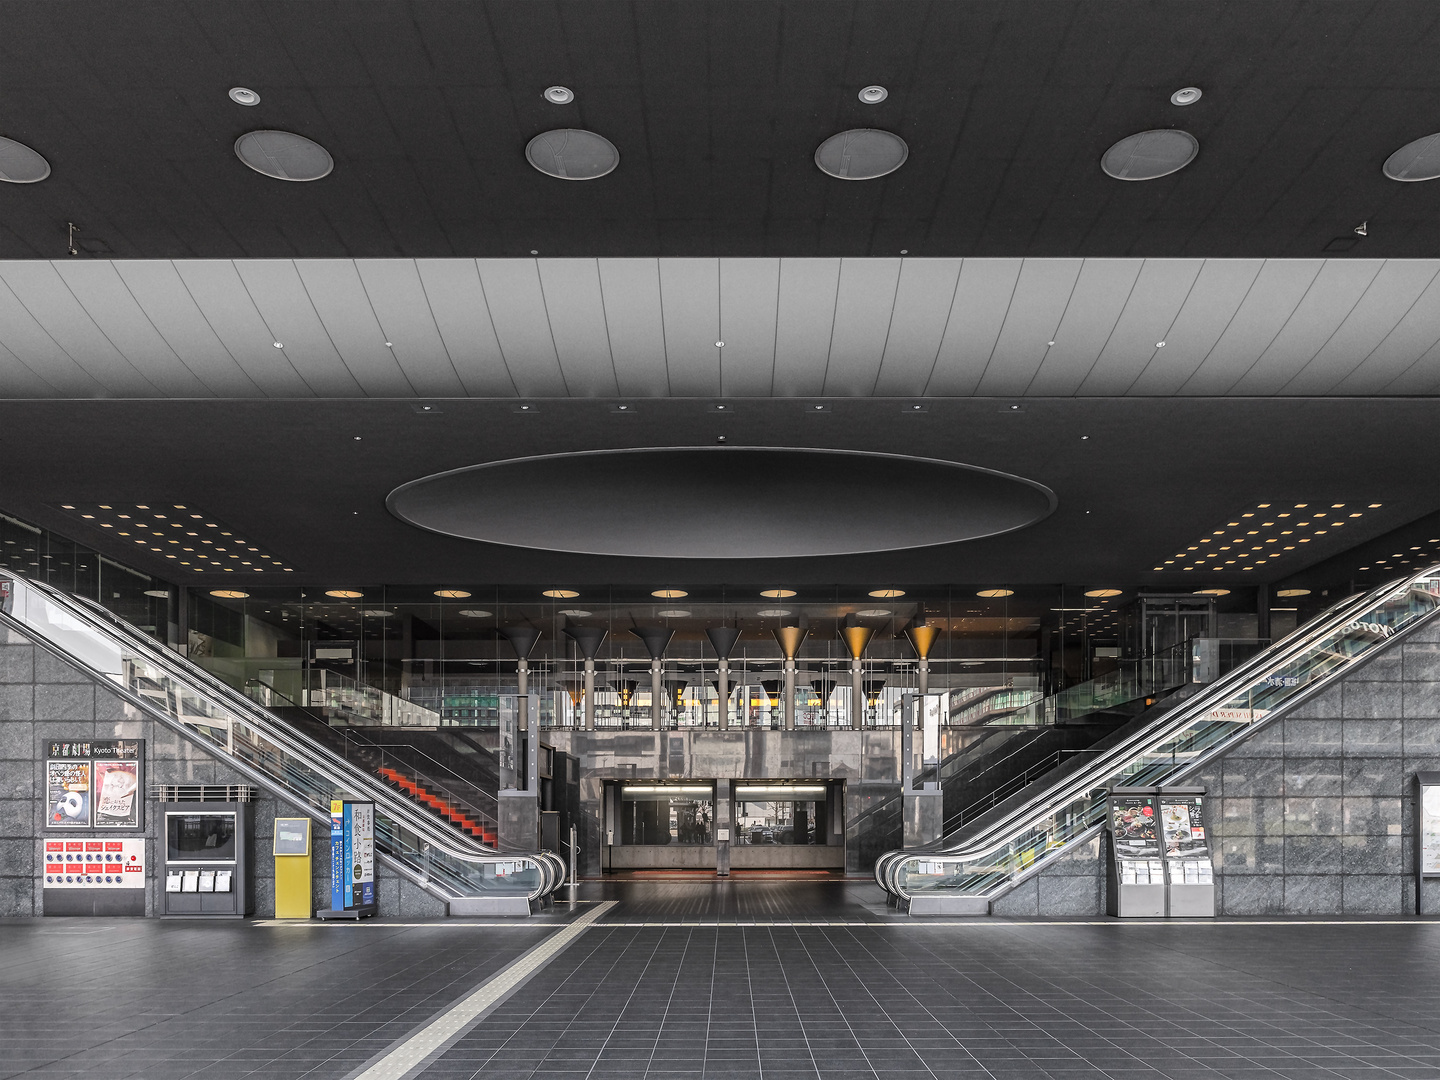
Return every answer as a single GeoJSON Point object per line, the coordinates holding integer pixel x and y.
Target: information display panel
{"type": "Point", "coordinates": [95, 784]}
{"type": "Point", "coordinates": [352, 860]}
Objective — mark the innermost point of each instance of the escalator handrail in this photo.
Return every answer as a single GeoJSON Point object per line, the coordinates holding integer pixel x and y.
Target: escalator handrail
{"type": "Point", "coordinates": [214, 692]}
{"type": "Point", "coordinates": [998, 832]}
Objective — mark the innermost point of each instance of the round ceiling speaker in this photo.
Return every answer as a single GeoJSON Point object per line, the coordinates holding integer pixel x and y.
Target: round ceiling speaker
{"type": "Point", "coordinates": [861, 154]}
{"type": "Point", "coordinates": [572, 154]}
{"type": "Point", "coordinates": [1415, 161]}
{"type": "Point", "coordinates": [284, 155]}
{"type": "Point", "coordinates": [1149, 155]}
{"type": "Point", "coordinates": [21, 165]}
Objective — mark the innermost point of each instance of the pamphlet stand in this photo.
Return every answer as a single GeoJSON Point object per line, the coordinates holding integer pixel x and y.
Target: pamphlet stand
{"type": "Point", "coordinates": [352, 861]}
{"type": "Point", "coordinates": [1190, 888]}
{"type": "Point", "coordinates": [1427, 833]}
{"type": "Point", "coordinates": [1136, 866]}
{"type": "Point", "coordinates": [207, 860]}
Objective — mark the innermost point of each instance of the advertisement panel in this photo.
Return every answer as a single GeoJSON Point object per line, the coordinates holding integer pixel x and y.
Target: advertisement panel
{"type": "Point", "coordinates": [1183, 821]}
{"type": "Point", "coordinates": [97, 784]}
{"type": "Point", "coordinates": [67, 784]}
{"type": "Point", "coordinates": [1429, 829]}
{"type": "Point", "coordinates": [117, 794]}
{"type": "Point", "coordinates": [1133, 826]}
{"type": "Point", "coordinates": [362, 853]}
{"type": "Point", "coordinates": [337, 855]}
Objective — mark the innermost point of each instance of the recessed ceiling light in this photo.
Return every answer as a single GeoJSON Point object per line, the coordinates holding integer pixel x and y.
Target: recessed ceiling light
{"type": "Point", "coordinates": [874, 613]}
{"type": "Point", "coordinates": [673, 613]}
{"type": "Point", "coordinates": [1212, 592]}
{"type": "Point", "coordinates": [284, 155]}
{"type": "Point", "coordinates": [21, 165]}
{"type": "Point", "coordinates": [159, 594]}
{"type": "Point", "coordinates": [559, 95]}
{"type": "Point", "coordinates": [773, 612]}
{"type": "Point", "coordinates": [244, 96]}
{"type": "Point", "coordinates": [377, 613]}
{"type": "Point", "coordinates": [1415, 161]}
{"type": "Point", "coordinates": [1149, 155]}
{"type": "Point", "coordinates": [473, 613]}
{"type": "Point", "coordinates": [229, 594]}
{"type": "Point", "coordinates": [452, 594]}
{"type": "Point", "coordinates": [777, 594]}
{"type": "Point", "coordinates": [887, 594]}
{"type": "Point", "coordinates": [1287, 593]}
{"type": "Point", "coordinates": [1104, 592]}
{"type": "Point", "coordinates": [669, 594]}
{"type": "Point", "coordinates": [873, 95]}
{"type": "Point", "coordinates": [993, 594]}
{"type": "Point", "coordinates": [344, 594]}
{"type": "Point", "coordinates": [572, 154]}
{"type": "Point", "coordinates": [861, 154]}
{"type": "Point", "coordinates": [560, 594]}
{"type": "Point", "coordinates": [1186, 95]}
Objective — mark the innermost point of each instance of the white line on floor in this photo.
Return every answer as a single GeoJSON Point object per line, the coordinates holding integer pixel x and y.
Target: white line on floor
{"type": "Point", "coordinates": [411, 1053]}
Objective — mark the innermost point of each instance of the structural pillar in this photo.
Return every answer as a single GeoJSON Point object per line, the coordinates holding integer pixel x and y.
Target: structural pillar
{"type": "Point", "coordinates": [589, 694]}
{"type": "Point", "coordinates": [722, 690]}
{"type": "Point", "coordinates": [722, 640]}
{"type": "Point", "coordinates": [657, 695]}
{"type": "Point", "coordinates": [857, 694]}
{"type": "Point", "coordinates": [788, 705]}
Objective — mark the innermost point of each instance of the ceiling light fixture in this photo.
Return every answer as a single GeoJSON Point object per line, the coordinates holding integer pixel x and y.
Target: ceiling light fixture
{"type": "Point", "coordinates": [229, 594]}
{"type": "Point", "coordinates": [777, 594]}
{"type": "Point", "coordinates": [377, 613]}
{"type": "Point", "coordinates": [344, 594]}
{"type": "Point", "coordinates": [452, 594]}
{"type": "Point", "coordinates": [995, 594]}
{"type": "Point", "coordinates": [861, 154]}
{"type": "Point", "coordinates": [669, 594]}
{"type": "Point", "coordinates": [1212, 592]}
{"type": "Point", "coordinates": [242, 95]}
{"type": "Point", "coordinates": [875, 613]}
{"type": "Point", "coordinates": [559, 95]}
{"type": "Point", "coordinates": [1149, 155]}
{"type": "Point", "coordinates": [159, 594]}
{"type": "Point", "coordinates": [1104, 592]}
{"type": "Point", "coordinates": [873, 95]}
{"type": "Point", "coordinates": [283, 155]}
{"type": "Point", "coordinates": [886, 594]}
{"type": "Point", "coordinates": [560, 594]}
{"type": "Point", "coordinates": [474, 613]}
{"type": "Point", "coordinates": [569, 613]}
{"type": "Point", "coordinates": [572, 154]}
{"type": "Point", "coordinates": [21, 165]}
{"type": "Point", "coordinates": [1186, 95]}
{"type": "Point", "coordinates": [1287, 593]}
{"type": "Point", "coordinates": [1415, 161]}
{"type": "Point", "coordinates": [773, 612]}
{"type": "Point", "coordinates": [673, 613]}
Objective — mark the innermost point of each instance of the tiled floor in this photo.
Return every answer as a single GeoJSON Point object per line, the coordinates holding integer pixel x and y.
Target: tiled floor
{"type": "Point", "coordinates": [867, 997]}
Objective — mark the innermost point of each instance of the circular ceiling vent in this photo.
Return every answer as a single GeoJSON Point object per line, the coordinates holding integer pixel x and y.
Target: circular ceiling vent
{"type": "Point", "coordinates": [572, 154]}
{"type": "Point", "coordinates": [1418, 160]}
{"type": "Point", "coordinates": [284, 155]}
{"type": "Point", "coordinates": [861, 154]}
{"type": "Point", "coordinates": [21, 165]}
{"type": "Point", "coordinates": [1149, 155]}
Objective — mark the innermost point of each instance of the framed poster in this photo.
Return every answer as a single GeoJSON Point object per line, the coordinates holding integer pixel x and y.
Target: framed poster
{"type": "Point", "coordinates": [1133, 826]}
{"type": "Point", "coordinates": [118, 799]}
{"type": "Point", "coordinates": [1182, 819]}
{"type": "Point", "coordinates": [67, 791]}
{"type": "Point", "coordinates": [1429, 828]}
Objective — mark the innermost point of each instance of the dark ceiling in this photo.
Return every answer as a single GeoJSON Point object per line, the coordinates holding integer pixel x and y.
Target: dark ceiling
{"type": "Point", "coordinates": [717, 108]}
{"type": "Point", "coordinates": [1152, 477]}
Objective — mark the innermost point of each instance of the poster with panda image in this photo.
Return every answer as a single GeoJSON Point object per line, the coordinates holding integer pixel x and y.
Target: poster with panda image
{"type": "Point", "coordinates": [67, 785]}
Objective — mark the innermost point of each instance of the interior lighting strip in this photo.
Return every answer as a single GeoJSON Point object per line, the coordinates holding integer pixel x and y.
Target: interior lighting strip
{"type": "Point", "coordinates": [779, 792]}
{"type": "Point", "coordinates": [194, 539]}
{"type": "Point", "coordinates": [1265, 533]}
{"type": "Point", "coordinates": [667, 789]}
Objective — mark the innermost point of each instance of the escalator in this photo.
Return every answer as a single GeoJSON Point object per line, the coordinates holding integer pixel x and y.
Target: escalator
{"type": "Point", "coordinates": [992, 852]}
{"type": "Point", "coordinates": [418, 824]}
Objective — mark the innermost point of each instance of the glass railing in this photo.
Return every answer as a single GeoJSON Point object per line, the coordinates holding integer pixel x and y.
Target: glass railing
{"type": "Point", "coordinates": [239, 732]}
{"type": "Point", "coordinates": [988, 858]}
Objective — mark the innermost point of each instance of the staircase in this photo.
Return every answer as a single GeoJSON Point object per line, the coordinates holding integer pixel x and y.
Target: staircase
{"type": "Point", "coordinates": [442, 806]}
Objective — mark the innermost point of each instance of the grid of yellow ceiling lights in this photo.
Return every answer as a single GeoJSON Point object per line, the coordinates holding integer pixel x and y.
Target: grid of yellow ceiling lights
{"type": "Point", "coordinates": [189, 536]}
{"type": "Point", "coordinates": [1265, 533]}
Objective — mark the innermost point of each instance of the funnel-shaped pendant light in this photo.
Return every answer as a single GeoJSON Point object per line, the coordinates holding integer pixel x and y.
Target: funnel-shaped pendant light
{"type": "Point", "coordinates": [655, 639]}
{"type": "Point", "coordinates": [722, 639]}
{"type": "Point", "coordinates": [790, 638]}
{"type": "Point", "coordinates": [922, 639]}
{"type": "Point", "coordinates": [856, 638]}
{"type": "Point", "coordinates": [587, 639]}
{"type": "Point", "coordinates": [626, 689]}
{"type": "Point", "coordinates": [522, 639]}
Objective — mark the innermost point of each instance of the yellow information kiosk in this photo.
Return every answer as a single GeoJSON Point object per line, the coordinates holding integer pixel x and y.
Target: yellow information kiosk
{"type": "Point", "coordinates": [293, 893]}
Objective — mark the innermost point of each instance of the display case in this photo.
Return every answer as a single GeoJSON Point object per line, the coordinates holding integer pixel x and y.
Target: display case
{"type": "Point", "coordinates": [208, 858]}
{"type": "Point", "coordinates": [1136, 864]}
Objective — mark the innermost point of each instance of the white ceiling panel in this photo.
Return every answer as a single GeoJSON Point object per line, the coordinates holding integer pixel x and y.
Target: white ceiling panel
{"type": "Point", "coordinates": [117, 315]}
{"type": "Point", "coordinates": [749, 303]}
{"type": "Point", "coordinates": [1094, 307]}
{"type": "Point", "coordinates": [337, 296]}
{"type": "Point", "coordinates": [637, 330]}
{"type": "Point", "coordinates": [522, 325]}
{"type": "Point", "coordinates": [216, 288]}
{"type": "Point", "coordinates": [1039, 302]}
{"type": "Point", "coordinates": [922, 309]}
{"type": "Point", "coordinates": [806, 316]}
{"type": "Point", "coordinates": [156, 286]}
{"type": "Point", "coordinates": [462, 317]}
{"type": "Point", "coordinates": [690, 300]}
{"type": "Point", "coordinates": [397, 297]}
{"type": "Point", "coordinates": [1210, 305]}
{"type": "Point", "coordinates": [864, 312]}
{"type": "Point", "coordinates": [977, 315]}
{"type": "Point", "coordinates": [1150, 311]}
{"type": "Point", "coordinates": [40, 288]}
{"type": "Point", "coordinates": [1273, 297]}
{"type": "Point", "coordinates": [1375, 319]}
{"type": "Point", "coordinates": [577, 318]}
{"type": "Point", "coordinates": [648, 327]}
{"type": "Point", "coordinates": [1327, 304]}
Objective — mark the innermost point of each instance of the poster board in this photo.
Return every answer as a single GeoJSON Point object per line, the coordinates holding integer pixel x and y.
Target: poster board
{"type": "Point", "coordinates": [352, 855]}
{"type": "Point", "coordinates": [95, 784]}
{"type": "Point", "coordinates": [1182, 823]}
{"type": "Point", "coordinates": [1133, 827]}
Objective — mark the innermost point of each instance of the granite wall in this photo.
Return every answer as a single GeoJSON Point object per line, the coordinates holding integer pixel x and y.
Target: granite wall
{"type": "Point", "coordinates": [44, 698]}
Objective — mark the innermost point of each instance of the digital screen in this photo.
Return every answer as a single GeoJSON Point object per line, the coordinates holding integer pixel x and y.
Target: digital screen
{"type": "Point", "coordinates": [200, 837]}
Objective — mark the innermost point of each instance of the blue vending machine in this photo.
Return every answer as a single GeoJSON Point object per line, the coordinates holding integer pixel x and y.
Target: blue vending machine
{"type": "Point", "coordinates": [352, 861]}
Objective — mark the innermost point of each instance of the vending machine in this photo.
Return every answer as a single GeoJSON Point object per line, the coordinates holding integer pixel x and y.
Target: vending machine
{"type": "Point", "coordinates": [1190, 873]}
{"type": "Point", "coordinates": [1137, 861]}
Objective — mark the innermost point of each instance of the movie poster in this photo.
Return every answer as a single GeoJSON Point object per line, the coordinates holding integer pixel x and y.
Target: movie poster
{"type": "Point", "coordinates": [117, 794]}
{"type": "Point", "coordinates": [67, 786]}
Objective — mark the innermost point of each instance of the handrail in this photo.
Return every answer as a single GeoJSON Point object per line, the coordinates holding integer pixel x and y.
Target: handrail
{"type": "Point", "coordinates": [1013, 841]}
{"type": "Point", "coordinates": [187, 698]}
